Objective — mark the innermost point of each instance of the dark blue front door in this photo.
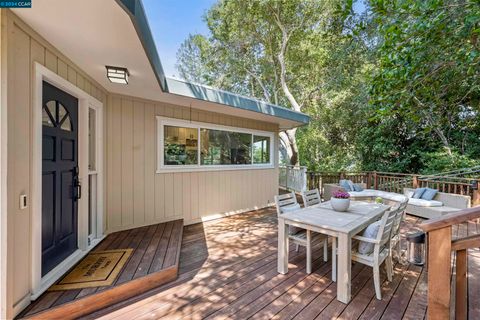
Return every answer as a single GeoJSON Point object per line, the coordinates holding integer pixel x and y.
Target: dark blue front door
{"type": "Point", "coordinates": [59, 176]}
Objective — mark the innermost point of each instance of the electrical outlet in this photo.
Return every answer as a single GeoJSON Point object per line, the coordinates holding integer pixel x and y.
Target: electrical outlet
{"type": "Point", "coordinates": [23, 201]}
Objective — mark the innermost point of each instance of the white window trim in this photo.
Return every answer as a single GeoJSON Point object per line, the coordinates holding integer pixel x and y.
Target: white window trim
{"type": "Point", "coordinates": [38, 283]}
{"type": "Point", "coordinates": [162, 168]}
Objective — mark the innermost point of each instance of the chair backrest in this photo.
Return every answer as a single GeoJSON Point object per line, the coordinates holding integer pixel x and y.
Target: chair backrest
{"type": "Point", "coordinates": [399, 217]}
{"type": "Point", "coordinates": [311, 198]}
{"type": "Point", "coordinates": [285, 200]}
{"type": "Point", "coordinates": [384, 232]}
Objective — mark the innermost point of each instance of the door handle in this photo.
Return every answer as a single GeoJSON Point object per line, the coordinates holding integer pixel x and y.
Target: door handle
{"type": "Point", "coordinates": [77, 187]}
{"type": "Point", "coordinates": [79, 190]}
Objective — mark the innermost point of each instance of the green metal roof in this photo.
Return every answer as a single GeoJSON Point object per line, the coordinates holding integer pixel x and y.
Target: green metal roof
{"type": "Point", "coordinates": [136, 11]}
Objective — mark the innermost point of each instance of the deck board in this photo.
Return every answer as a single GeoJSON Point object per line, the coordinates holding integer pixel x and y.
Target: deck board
{"type": "Point", "coordinates": [146, 241]}
{"type": "Point", "coordinates": [228, 271]}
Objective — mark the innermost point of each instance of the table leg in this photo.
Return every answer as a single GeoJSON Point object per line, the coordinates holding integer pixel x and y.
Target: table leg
{"type": "Point", "coordinates": [282, 266]}
{"type": "Point", "coordinates": [344, 265]}
{"type": "Point", "coordinates": [334, 259]}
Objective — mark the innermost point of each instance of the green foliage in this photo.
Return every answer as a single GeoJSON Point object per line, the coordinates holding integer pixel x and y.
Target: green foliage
{"type": "Point", "coordinates": [434, 162]}
{"type": "Point", "coordinates": [426, 88]}
{"type": "Point", "coordinates": [394, 88]}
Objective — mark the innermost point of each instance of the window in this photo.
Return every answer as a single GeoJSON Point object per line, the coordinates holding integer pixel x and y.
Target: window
{"type": "Point", "coordinates": [225, 147]}
{"type": "Point", "coordinates": [181, 146]}
{"type": "Point", "coordinates": [261, 149]}
{"type": "Point", "coordinates": [185, 145]}
{"type": "Point", "coordinates": [54, 114]}
{"type": "Point", "coordinates": [92, 139]}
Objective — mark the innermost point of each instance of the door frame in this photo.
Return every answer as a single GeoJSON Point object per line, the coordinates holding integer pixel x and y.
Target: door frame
{"type": "Point", "coordinates": [85, 101]}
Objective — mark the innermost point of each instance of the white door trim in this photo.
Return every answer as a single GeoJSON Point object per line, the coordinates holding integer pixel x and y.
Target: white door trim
{"type": "Point", "coordinates": [40, 284]}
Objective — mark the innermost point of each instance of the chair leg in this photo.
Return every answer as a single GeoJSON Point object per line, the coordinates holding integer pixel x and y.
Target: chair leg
{"type": "Point", "coordinates": [309, 252]}
{"type": "Point", "coordinates": [376, 281]}
{"type": "Point", "coordinates": [334, 259]}
{"type": "Point", "coordinates": [399, 250]}
{"type": "Point", "coordinates": [389, 267]}
{"type": "Point", "coordinates": [296, 247]}
{"type": "Point", "coordinates": [325, 249]}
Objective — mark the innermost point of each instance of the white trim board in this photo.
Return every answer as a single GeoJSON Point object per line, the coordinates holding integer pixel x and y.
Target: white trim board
{"type": "Point", "coordinates": [165, 121]}
{"type": "Point", "coordinates": [38, 283]}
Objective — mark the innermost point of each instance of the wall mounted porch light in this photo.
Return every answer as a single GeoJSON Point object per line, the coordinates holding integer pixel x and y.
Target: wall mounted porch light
{"type": "Point", "coordinates": [117, 74]}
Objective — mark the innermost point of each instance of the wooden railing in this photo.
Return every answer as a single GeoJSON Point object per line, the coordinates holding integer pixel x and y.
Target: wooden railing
{"type": "Point", "coordinates": [440, 247]}
{"type": "Point", "coordinates": [292, 178]}
{"type": "Point", "coordinates": [395, 182]}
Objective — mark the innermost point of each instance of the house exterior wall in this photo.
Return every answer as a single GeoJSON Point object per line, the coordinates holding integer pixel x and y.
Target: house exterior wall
{"type": "Point", "coordinates": [137, 195]}
{"type": "Point", "coordinates": [23, 48]}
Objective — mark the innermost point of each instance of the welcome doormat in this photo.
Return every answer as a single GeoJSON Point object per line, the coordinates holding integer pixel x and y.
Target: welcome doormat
{"type": "Point", "coordinates": [97, 269]}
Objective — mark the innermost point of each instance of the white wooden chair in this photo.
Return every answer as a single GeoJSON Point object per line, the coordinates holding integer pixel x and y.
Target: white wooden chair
{"type": "Point", "coordinates": [395, 238]}
{"type": "Point", "coordinates": [380, 254]}
{"type": "Point", "coordinates": [300, 237]}
{"type": "Point", "coordinates": [312, 198]}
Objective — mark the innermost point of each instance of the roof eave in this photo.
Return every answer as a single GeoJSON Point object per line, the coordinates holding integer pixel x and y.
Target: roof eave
{"type": "Point", "coordinates": [205, 93]}
{"type": "Point", "coordinates": [136, 11]}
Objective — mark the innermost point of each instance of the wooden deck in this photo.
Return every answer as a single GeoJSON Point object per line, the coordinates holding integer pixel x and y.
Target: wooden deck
{"type": "Point", "coordinates": [153, 262]}
{"type": "Point", "coordinates": [228, 271]}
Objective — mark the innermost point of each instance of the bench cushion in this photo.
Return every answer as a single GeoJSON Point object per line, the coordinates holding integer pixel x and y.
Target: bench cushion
{"type": "Point", "coordinates": [424, 203]}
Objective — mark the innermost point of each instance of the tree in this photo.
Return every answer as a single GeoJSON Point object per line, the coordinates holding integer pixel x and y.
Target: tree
{"type": "Point", "coordinates": [428, 76]}
{"type": "Point", "coordinates": [277, 51]}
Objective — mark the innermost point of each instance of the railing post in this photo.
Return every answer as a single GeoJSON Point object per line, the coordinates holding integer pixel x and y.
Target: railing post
{"type": "Point", "coordinates": [461, 285]}
{"type": "Point", "coordinates": [476, 197]}
{"type": "Point", "coordinates": [415, 181]}
{"type": "Point", "coordinates": [439, 267]}
{"type": "Point", "coordinates": [369, 180]}
{"type": "Point", "coordinates": [286, 177]}
{"type": "Point", "coordinates": [375, 180]}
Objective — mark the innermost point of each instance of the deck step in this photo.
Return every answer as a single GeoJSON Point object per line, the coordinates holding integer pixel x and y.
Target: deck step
{"type": "Point", "coordinates": [154, 262]}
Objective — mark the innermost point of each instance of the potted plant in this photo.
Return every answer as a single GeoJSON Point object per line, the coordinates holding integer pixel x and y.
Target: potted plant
{"type": "Point", "coordinates": [340, 201]}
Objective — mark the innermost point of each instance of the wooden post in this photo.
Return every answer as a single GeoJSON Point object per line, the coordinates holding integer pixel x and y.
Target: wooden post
{"type": "Point", "coordinates": [369, 180]}
{"type": "Point", "coordinates": [439, 266]}
{"type": "Point", "coordinates": [476, 197]}
{"type": "Point", "coordinates": [461, 285]}
{"type": "Point", "coordinates": [375, 180]}
{"type": "Point", "coordinates": [415, 182]}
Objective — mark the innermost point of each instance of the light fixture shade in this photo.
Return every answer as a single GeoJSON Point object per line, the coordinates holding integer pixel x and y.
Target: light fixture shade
{"type": "Point", "coordinates": [117, 74]}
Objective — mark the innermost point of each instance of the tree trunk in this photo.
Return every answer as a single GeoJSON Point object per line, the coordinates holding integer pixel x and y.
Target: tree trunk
{"type": "Point", "coordinates": [290, 142]}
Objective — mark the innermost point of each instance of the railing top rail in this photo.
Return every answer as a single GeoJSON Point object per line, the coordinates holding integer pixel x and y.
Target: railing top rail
{"type": "Point", "coordinates": [423, 177]}
{"type": "Point", "coordinates": [290, 166]}
{"type": "Point", "coordinates": [451, 219]}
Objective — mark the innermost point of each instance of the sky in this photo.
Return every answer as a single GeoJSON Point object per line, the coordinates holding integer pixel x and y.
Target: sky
{"type": "Point", "coordinates": [171, 22]}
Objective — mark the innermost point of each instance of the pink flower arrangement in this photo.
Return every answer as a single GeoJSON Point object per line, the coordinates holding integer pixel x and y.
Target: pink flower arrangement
{"type": "Point", "coordinates": [341, 195]}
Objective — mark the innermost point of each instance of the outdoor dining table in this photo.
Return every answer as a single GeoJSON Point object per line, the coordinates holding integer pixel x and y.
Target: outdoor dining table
{"type": "Point", "coordinates": [341, 225]}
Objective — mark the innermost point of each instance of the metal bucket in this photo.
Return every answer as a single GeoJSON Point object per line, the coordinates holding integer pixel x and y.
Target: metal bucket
{"type": "Point", "coordinates": [416, 248]}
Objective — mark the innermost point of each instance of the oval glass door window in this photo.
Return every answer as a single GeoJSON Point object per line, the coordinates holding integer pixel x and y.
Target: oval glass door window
{"type": "Point", "coordinates": [55, 115]}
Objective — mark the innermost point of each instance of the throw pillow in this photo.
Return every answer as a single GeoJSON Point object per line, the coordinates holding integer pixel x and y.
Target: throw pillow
{"type": "Point", "coordinates": [429, 194]}
{"type": "Point", "coordinates": [350, 183]}
{"type": "Point", "coordinates": [409, 194]}
{"type": "Point", "coordinates": [418, 193]}
{"type": "Point", "coordinates": [345, 185]}
{"type": "Point", "coordinates": [370, 232]}
{"type": "Point", "coordinates": [357, 187]}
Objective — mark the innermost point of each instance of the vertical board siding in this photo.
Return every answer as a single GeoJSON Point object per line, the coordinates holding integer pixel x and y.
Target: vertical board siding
{"type": "Point", "coordinates": [18, 158]}
{"type": "Point", "coordinates": [139, 196]}
{"type": "Point", "coordinates": [24, 48]}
